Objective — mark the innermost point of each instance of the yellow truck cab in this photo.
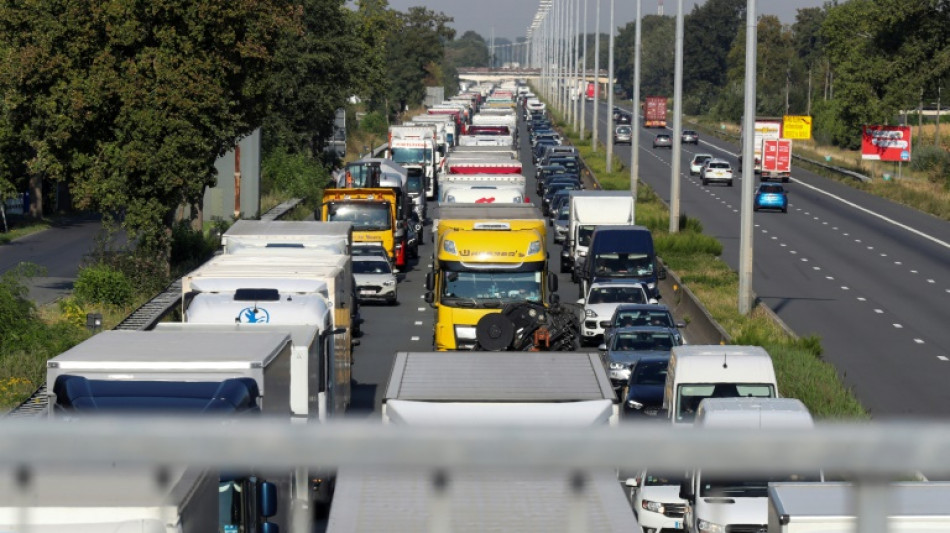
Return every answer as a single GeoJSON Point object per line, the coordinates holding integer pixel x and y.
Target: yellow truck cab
{"type": "Point", "coordinates": [371, 210]}
{"type": "Point", "coordinates": [486, 257]}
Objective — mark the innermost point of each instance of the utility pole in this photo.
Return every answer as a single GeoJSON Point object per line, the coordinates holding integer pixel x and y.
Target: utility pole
{"type": "Point", "coordinates": [577, 91]}
{"type": "Point", "coordinates": [610, 93]}
{"type": "Point", "coordinates": [937, 132]}
{"type": "Point", "coordinates": [584, 82]}
{"type": "Point", "coordinates": [748, 171]}
{"type": "Point", "coordinates": [635, 111]}
{"type": "Point", "coordinates": [594, 127]}
{"type": "Point", "coordinates": [677, 123]}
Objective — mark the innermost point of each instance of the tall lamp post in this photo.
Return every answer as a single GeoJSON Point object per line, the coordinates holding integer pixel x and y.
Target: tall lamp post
{"type": "Point", "coordinates": [610, 93]}
{"type": "Point", "coordinates": [635, 139]}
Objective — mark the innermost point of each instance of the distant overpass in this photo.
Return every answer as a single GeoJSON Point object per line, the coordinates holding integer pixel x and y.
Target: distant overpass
{"type": "Point", "coordinates": [483, 74]}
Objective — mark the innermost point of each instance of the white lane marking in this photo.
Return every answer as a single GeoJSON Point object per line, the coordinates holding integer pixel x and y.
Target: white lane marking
{"type": "Point", "coordinates": [862, 299]}
{"type": "Point", "coordinates": [879, 311]}
{"type": "Point", "coordinates": [846, 234]}
{"type": "Point", "coordinates": [418, 322]}
{"type": "Point", "coordinates": [857, 240]}
{"type": "Point", "coordinates": [919, 341]}
{"type": "Point", "coordinates": [816, 268]}
{"type": "Point", "coordinates": [422, 308]}
{"type": "Point", "coordinates": [898, 263]}
{"type": "Point", "coordinates": [782, 245]}
{"type": "Point", "coordinates": [883, 255]}
{"type": "Point", "coordinates": [931, 281]}
{"type": "Point", "coordinates": [943, 358]}
{"type": "Point", "coordinates": [793, 252]}
{"type": "Point", "coordinates": [845, 288]}
{"type": "Point", "coordinates": [830, 278]}
{"type": "Point", "coordinates": [834, 228]}
{"type": "Point", "coordinates": [870, 247]}
{"type": "Point", "coordinates": [774, 238]}
{"type": "Point", "coordinates": [898, 326]}
{"type": "Point", "coordinates": [824, 223]}
{"type": "Point", "coordinates": [913, 272]}
{"type": "Point", "coordinates": [804, 260]}
{"type": "Point", "coordinates": [415, 338]}
{"type": "Point", "coordinates": [872, 213]}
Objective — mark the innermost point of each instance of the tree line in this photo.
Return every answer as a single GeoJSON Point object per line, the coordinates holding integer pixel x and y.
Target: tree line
{"type": "Point", "coordinates": [126, 105]}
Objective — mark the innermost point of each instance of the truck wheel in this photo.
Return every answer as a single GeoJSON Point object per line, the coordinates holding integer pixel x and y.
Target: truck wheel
{"type": "Point", "coordinates": [730, 183]}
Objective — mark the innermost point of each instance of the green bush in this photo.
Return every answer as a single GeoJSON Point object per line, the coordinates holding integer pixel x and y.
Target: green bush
{"type": "Point", "coordinates": [17, 312]}
{"type": "Point", "coordinates": [296, 175]}
{"type": "Point", "coordinates": [374, 122]}
{"type": "Point", "coordinates": [687, 242]}
{"type": "Point", "coordinates": [101, 283]}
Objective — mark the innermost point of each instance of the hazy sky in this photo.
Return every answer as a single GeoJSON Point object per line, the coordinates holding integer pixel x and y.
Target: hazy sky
{"type": "Point", "coordinates": [511, 18]}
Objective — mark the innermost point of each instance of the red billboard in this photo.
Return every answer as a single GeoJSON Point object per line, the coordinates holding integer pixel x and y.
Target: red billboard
{"type": "Point", "coordinates": [885, 143]}
{"type": "Point", "coordinates": [777, 155]}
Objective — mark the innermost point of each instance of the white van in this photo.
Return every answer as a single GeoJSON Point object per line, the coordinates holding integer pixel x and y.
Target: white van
{"type": "Point", "coordinates": [740, 502]}
{"type": "Point", "coordinates": [699, 371]}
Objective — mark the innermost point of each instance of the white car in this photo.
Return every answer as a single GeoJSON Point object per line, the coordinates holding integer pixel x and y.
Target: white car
{"type": "Point", "coordinates": [602, 300]}
{"type": "Point", "coordinates": [716, 170]}
{"type": "Point", "coordinates": [699, 160]}
{"type": "Point", "coordinates": [374, 279]}
{"type": "Point", "coordinates": [656, 501]}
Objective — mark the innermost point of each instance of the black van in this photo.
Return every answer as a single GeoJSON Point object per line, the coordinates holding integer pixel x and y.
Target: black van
{"type": "Point", "coordinates": [622, 252]}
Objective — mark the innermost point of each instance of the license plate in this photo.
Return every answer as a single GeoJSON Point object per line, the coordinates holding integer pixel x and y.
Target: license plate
{"type": "Point", "coordinates": [367, 291]}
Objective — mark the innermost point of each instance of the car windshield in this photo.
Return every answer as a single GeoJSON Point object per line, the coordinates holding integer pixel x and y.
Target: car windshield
{"type": "Point", "coordinates": [772, 189]}
{"type": "Point", "coordinates": [623, 265]}
{"type": "Point", "coordinates": [689, 132]}
{"type": "Point", "coordinates": [365, 216]}
{"type": "Point", "coordinates": [689, 395]}
{"type": "Point", "coordinates": [751, 487]}
{"type": "Point", "coordinates": [490, 289]}
{"type": "Point", "coordinates": [569, 164]}
{"type": "Point", "coordinates": [642, 341]}
{"type": "Point", "coordinates": [662, 137]}
{"type": "Point", "coordinates": [643, 317]}
{"type": "Point", "coordinates": [723, 166]}
{"type": "Point", "coordinates": [649, 373]}
{"type": "Point", "coordinates": [700, 159]}
{"type": "Point", "coordinates": [632, 294]}
{"type": "Point", "coordinates": [371, 267]}
{"type": "Point", "coordinates": [564, 212]}
{"type": "Point", "coordinates": [623, 130]}
{"type": "Point", "coordinates": [661, 479]}
{"type": "Point", "coordinates": [415, 183]}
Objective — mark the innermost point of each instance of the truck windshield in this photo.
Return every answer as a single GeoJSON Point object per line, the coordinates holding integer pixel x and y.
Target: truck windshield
{"type": "Point", "coordinates": [751, 487]}
{"type": "Point", "coordinates": [490, 289]}
{"type": "Point", "coordinates": [415, 156]}
{"type": "Point", "coordinates": [364, 216]}
{"type": "Point", "coordinates": [623, 265]}
{"type": "Point", "coordinates": [415, 184]}
{"type": "Point", "coordinates": [689, 395]}
{"type": "Point", "coordinates": [584, 234]}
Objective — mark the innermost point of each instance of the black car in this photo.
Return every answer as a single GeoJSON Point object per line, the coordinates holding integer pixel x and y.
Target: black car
{"type": "Point", "coordinates": [643, 394]}
{"type": "Point", "coordinates": [552, 190]}
{"type": "Point", "coordinates": [623, 118]}
{"type": "Point", "coordinates": [558, 179]}
{"type": "Point", "coordinates": [571, 163]}
{"type": "Point", "coordinates": [545, 172]}
{"type": "Point", "coordinates": [539, 149]}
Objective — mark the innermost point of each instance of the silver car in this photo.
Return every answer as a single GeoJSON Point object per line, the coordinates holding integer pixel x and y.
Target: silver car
{"type": "Point", "coordinates": [375, 280]}
{"type": "Point", "coordinates": [623, 135]}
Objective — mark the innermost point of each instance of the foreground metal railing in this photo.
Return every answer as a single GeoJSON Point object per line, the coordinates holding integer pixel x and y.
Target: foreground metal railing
{"type": "Point", "coordinates": [871, 454]}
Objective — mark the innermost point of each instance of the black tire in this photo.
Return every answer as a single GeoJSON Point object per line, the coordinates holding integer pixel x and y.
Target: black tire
{"type": "Point", "coordinates": [730, 183]}
{"type": "Point", "coordinates": [785, 210]}
{"type": "Point", "coordinates": [705, 183]}
{"type": "Point", "coordinates": [755, 208]}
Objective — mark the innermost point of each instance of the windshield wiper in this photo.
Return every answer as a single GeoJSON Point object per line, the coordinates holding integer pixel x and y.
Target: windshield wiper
{"type": "Point", "coordinates": [458, 301]}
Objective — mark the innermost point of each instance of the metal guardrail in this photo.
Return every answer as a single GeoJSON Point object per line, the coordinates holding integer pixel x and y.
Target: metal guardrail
{"type": "Point", "coordinates": [282, 209]}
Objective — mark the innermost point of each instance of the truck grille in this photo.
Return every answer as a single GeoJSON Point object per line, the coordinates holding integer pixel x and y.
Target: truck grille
{"type": "Point", "coordinates": [747, 528]}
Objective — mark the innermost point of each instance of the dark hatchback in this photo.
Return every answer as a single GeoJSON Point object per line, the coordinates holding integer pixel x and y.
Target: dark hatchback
{"type": "Point", "coordinates": [643, 395]}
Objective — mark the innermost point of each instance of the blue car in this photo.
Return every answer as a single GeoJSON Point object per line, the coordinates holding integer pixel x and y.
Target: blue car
{"type": "Point", "coordinates": [770, 196]}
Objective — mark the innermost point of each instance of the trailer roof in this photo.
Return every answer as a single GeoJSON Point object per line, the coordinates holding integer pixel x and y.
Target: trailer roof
{"type": "Point", "coordinates": [489, 501]}
{"type": "Point", "coordinates": [836, 500]}
{"type": "Point", "coordinates": [281, 228]}
{"type": "Point", "coordinates": [488, 212]}
{"type": "Point", "coordinates": [499, 377]}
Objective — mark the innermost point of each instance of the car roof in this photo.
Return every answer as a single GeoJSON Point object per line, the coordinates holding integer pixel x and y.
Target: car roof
{"type": "Point", "coordinates": [663, 135]}
{"type": "Point", "coordinates": [707, 156]}
{"type": "Point", "coordinates": [717, 160]}
{"type": "Point", "coordinates": [642, 307]}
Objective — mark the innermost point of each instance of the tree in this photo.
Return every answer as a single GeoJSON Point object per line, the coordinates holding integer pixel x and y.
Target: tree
{"type": "Point", "coordinates": [883, 52]}
{"type": "Point", "coordinates": [709, 32]}
{"type": "Point", "coordinates": [415, 52]}
{"type": "Point", "coordinates": [469, 50]}
{"type": "Point", "coordinates": [375, 24]}
{"type": "Point", "coordinates": [131, 103]}
{"type": "Point", "coordinates": [310, 81]}
{"type": "Point", "coordinates": [656, 60]}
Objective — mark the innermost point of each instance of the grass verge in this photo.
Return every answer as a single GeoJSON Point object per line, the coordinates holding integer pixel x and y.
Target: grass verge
{"type": "Point", "coordinates": [27, 228]}
{"type": "Point", "coordinates": [694, 257]}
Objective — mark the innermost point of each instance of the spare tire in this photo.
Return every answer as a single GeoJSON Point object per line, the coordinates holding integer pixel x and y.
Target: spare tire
{"type": "Point", "coordinates": [494, 332]}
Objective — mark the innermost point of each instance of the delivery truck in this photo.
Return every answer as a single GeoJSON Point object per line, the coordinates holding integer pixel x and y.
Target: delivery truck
{"type": "Point", "coordinates": [654, 112]}
{"type": "Point", "coordinates": [765, 129]}
{"type": "Point", "coordinates": [286, 234]}
{"type": "Point", "coordinates": [589, 209]}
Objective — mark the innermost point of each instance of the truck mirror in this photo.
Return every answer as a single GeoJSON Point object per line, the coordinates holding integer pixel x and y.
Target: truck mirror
{"type": "Point", "coordinates": [554, 299]}
{"type": "Point", "coordinates": [429, 297]}
{"type": "Point", "coordinates": [631, 482]}
{"type": "Point", "coordinates": [552, 282]}
{"type": "Point", "coordinates": [580, 301]}
{"type": "Point", "coordinates": [267, 499]}
{"type": "Point", "coordinates": [686, 490]}
{"type": "Point", "coordinates": [602, 347]}
{"type": "Point", "coordinates": [430, 281]}
{"type": "Point", "coordinates": [661, 273]}
{"type": "Point", "coordinates": [270, 527]}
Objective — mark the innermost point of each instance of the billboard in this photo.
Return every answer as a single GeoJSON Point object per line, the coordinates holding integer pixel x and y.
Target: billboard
{"type": "Point", "coordinates": [796, 127]}
{"type": "Point", "coordinates": [885, 143]}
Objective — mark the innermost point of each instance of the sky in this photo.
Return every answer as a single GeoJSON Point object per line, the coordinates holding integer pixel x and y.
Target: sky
{"type": "Point", "coordinates": [511, 18]}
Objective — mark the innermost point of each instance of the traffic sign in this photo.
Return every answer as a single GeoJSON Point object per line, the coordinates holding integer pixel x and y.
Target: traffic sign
{"type": "Point", "coordinates": [905, 155]}
{"type": "Point", "coordinates": [796, 127]}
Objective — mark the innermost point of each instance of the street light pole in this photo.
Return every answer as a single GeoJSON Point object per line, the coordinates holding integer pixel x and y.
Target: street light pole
{"type": "Point", "coordinates": [610, 93]}
{"type": "Point", "coordinates": [635, 126]}
{"type": "Point", "coordinates": [575, 105]}
{"type": "Point", "coordinates": [593, 129]}
{"type": "Point", "coordinates": [677, 123]}
{"type": "Point", "coordinates": [583, 96]}
{"type": "Point", "coordinates": [748, 170]}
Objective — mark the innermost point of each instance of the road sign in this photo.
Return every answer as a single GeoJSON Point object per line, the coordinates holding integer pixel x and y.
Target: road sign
{"type": "Point", "coordinates": [886, 143]}
{"type": "Point", "coordinates": [796, 127]}
{"type": "Point", "coordinates": [905, 155]}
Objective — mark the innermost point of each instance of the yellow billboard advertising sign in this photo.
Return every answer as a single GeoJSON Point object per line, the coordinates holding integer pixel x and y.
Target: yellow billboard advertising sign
{"type": "Point", "coordinates": [796, 127]}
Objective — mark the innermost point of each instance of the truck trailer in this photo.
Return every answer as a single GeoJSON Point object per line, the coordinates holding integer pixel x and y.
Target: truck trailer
{"type": "Point", "coordinates": [589, 209]}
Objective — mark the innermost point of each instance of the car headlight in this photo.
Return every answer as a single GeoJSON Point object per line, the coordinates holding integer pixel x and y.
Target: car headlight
{"type": "Point", "coordinates": [389, 283]}
{"type": "Point", "coordinates": [590, 313]}
{"type": "Point", "coordinates": [633, 404]}
{"type": "Point", "coordinates": [614, 365]}
{"type": "Point", "coordinates": [705, 526]}
{"type": "Point", "coordinates": [582, 253]}
{"type": "Point", "coordinates": [655, 507]}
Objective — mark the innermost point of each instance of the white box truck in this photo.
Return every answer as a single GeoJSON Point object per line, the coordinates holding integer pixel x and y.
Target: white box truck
{"type": "Point", "coordinates": [698, 371]}
{"type": "Point", "coordinates": [739, 502]}
{"type": "Point", "coordinates": [126, 499]}
{"type": "Point", "coordinates": [589, 209]}
{"type": "Point", "coordinates": [286, 234]}
{"type": "Point", "coordinates": [829, 507]}
{"type": "Point", "coordinates": [482, 189]}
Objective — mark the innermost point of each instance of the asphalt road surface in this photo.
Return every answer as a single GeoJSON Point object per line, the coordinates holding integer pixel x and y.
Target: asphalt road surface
{"type": "Point", "coordinates": [870, 277]}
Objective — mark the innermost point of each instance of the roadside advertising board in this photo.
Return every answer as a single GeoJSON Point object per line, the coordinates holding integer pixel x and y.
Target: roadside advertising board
{"type": "Point", "coordinates": [885, 143]}
{"type": "Point", "coordinates": [796, 127]}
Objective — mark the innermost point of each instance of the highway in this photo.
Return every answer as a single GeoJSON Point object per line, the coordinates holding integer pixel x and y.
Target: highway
{"type": "Point", "coordinates": [409, 326]}
{"type": "Point", "coordinates": [870, 277]}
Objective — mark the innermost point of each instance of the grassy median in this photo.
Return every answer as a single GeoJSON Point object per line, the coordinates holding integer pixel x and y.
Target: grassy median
{"type": "Point", "coordinates": [695, 258]}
